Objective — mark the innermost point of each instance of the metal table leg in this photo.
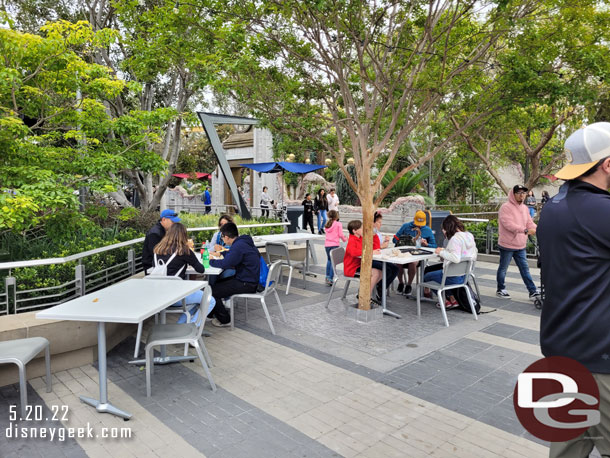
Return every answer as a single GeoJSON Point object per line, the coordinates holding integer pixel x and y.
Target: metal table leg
{"type": "Point", "coordinates": [384, 294]}
{"type": "Point", "coordinates": [102, 405]}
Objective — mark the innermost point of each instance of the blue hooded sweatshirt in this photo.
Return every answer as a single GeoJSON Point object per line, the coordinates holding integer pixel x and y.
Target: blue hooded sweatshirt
{"type": "Point", "coordinates": [243, 257]}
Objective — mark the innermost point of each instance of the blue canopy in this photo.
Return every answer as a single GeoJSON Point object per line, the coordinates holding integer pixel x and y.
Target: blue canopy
{"type": "Point", "coordinates": [276, 167]}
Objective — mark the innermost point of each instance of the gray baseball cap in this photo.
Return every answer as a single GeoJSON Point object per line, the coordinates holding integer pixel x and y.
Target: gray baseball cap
{"type": "Point", "coordinates": [585, 148]}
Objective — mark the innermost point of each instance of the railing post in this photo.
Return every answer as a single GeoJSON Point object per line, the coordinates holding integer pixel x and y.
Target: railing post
{"type": "Point", "coordinates": [8, 282]}
{"type": "Point", "coordinates": [79, 277]}
{"type": "Point", "coordinates": [131, 261]}
{"type": "Point", "coordinates": [489, 239]}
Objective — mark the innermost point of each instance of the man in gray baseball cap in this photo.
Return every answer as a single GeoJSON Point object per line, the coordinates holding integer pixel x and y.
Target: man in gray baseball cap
{"type": "Point", "coordinates": [574, 239]}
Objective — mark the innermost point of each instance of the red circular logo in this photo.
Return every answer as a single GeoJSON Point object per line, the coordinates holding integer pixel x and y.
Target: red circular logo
{"type": "Point", "coordinates": [556, 399]}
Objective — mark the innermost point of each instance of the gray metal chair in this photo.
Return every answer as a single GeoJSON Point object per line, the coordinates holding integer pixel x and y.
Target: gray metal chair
{"type": "Point", "coordinates": [21, 352]}
{"type": "Point", "coordinates": [275, 251]}
{"type": "Point", "coordinates": [187, 333]}
{"type": "Point", "coordinates": [336, 258]}
{"type": "Point", "coordinates": [136, 350]}
{"type": "Point", "coordinates": [464, 268]}
{"type": "Point", "coordinates": [272, 279]}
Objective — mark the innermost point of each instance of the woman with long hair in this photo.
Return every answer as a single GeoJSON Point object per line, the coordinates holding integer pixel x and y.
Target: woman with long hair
{"type": "Point", "coordinates": [176, 243]}
{"type": "Point", "coordinates": [334, 233]}
{"type": "Point", "coordinates": [216, 244]}
{"type": "Point", "coordinates": [530, 202]}
{"type": "Point", "coordinates": [320, 209]}
{"type": "Point", "coordinates": [461, 245]}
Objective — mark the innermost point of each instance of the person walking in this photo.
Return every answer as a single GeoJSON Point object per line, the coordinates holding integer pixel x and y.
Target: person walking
{"type": "Point", "coordinates": [265, 201]}
{"type": "Point", "coordinates": [514, 226]}
{"type": "Point", "coordinates": [321, 207]}
{"type": "Point", "coordinates": [207, 200]}
{"type": "Point", "coordinates": [530, 201]}
{"type": "Point", "coordinates": [333, 200]}
{"type": "Point", "coordinates": [574, 240]}
{"type": "Point", "coordinates": [308, 212]}
{"type": "Point", "coordinates": [154, 236]}
{"type": "Point", "coordinates": [334, 233]}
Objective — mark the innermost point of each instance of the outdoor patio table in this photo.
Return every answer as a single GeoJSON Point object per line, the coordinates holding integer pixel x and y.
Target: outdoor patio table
{"type": "Point", "coordinates": [261, 240]}
{"type": "Point", "coordinates": [388, 256]}
{"type": "Point", "coordinates": [130, 301]}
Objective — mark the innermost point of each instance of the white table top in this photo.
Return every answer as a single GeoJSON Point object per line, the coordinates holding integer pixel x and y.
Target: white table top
{"type": "Point", "coordinates": [130, 301]}
{"type": "Point", "coordinates": [387, 255]}
{"type": "Point", "coordinates": [260, 240]}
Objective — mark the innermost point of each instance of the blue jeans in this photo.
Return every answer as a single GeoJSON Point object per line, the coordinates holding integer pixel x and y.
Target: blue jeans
{"type": "Point", "coordinates": [521, 261]}
{"type": "Point", "coordinates": [532, 211]}
{"type": "Point", "coordinates": [329, 266]}
{"type": "Point", "coordinates": [321, 219]}
{"type": "Point", "coordinates": [437, 276]}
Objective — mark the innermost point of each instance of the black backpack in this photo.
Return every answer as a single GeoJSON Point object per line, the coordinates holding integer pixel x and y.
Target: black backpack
{"type": "Point", "coordinates": [462, 298]}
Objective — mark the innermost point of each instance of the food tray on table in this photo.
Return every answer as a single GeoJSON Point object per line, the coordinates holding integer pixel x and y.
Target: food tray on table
{"type": "Point", "coordinates": [413, 251]}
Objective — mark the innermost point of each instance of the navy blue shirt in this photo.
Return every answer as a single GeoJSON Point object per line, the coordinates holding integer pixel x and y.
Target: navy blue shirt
{"type": "Point", "coordinates": [243, 257]}
{"type": "Point", "coordinates": [574, 240]}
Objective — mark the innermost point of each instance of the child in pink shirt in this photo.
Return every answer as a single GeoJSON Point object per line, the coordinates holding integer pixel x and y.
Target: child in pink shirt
{"type": "Point", "coordinates": [334, 233]}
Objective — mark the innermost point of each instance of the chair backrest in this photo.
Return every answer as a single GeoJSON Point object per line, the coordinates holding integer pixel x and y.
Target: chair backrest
{"type": "Point", "coordinates": [273, 277]}
{"type": "Point", "coordinates": [276, 250]}
{"type": "Point", "coordinates": [453, 269]}
{"type": "Point", "coordinates": [336, 258]}
{"type": "Point", "coordinates": [203, 309]}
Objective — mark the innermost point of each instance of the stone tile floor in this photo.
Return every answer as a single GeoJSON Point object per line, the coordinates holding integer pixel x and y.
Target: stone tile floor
{"type": "Point", "coordinates": [323, 386]}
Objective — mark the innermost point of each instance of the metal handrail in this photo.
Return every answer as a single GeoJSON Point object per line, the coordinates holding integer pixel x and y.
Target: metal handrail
{"type": "Point", "coordinates": [84, 254]}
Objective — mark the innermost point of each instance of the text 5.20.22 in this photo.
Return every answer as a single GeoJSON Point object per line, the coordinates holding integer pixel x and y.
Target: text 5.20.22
{"type": "Point", "coordinates": [35, 413]}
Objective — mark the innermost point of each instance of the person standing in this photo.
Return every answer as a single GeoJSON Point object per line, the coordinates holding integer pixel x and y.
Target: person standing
{"type": "Point", "coordinates": [333, 200]}
{"type": "Point", "coordinates": [154, 236]}
{"type": "Point", "coordinates": [530, 201]}
{"type": "Point", "coordinates": [265, 201]}
{"type": "Point", "coordinates": [308, 212]}
{"type": "Point", "coordinates": [207, 200]}
{"type": "Point", "coordinates": [321, 207]}
{"type": "Point", "coordinates": [334, 233]}
{"type": "Point", "coordinates": [245, 259]}
{"type": "Point", "coordinates": [545, 197]}
{"type": "Point", "coordinates": [514, 226]}
{"type": "Point", "coordinates": [574, 240]}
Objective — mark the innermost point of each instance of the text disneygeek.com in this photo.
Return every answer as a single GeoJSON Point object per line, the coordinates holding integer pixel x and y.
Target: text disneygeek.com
{"type": "Point", "coordinates": [28, 430]}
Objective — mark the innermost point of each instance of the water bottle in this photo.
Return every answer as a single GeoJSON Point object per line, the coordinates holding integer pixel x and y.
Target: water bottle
{"type": "Point", "coordinates": [418, 242]}
{"type": "Point", "coordinates": [205, 258]}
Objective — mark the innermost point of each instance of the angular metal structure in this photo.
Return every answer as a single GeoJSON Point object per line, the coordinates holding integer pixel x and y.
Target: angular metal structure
{"type": "Point", "coordinates": [209, 121]}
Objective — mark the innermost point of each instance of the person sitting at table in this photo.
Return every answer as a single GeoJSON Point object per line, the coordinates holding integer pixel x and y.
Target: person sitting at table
{"type": "Point", "coordinates": [461, 245]}
{"type": "Point", "coordinates": [352, 261]}
{"type": "Point", "coordinates": [419, 231]}
{"type": "Point", "coordinates": [154, 236]}
{"type": "Point", "coordinates": [176, 242]}
{"type": "Point", "coordinates": [391, 269]}
{"type": "Point", "coordinates": [245, 259]}
{"type": "Point", "coordinates": [216, 247]}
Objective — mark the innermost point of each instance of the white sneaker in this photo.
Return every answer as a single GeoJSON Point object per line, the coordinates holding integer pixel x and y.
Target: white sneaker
{"type": "Point", "coordinates": [535, 295]}
{"type": "Point", "coordinates": [503, 294]}
{"type": "Point", "coordinates": [218, 324]}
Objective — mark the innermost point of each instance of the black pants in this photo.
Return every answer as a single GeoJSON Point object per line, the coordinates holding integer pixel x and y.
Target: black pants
{"type": "Point", "coordinates": [208, 209]}
{"type": "Point", "coordinates": [264, 211]}
{"type": "Point", "coordinates": [391, 271]}
{"type": "Point", "coordinates": [226, 288]}
{"type": "Point", "coordinates": [308, 219]}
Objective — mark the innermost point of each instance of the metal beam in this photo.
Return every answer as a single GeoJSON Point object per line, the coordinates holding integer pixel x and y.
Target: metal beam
{"type": "Point", "coordinates": [209, 120]}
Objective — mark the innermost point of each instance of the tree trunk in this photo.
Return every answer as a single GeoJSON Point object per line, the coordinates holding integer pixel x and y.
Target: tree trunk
{"type": "Point", "coordinates": [366, 196]}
